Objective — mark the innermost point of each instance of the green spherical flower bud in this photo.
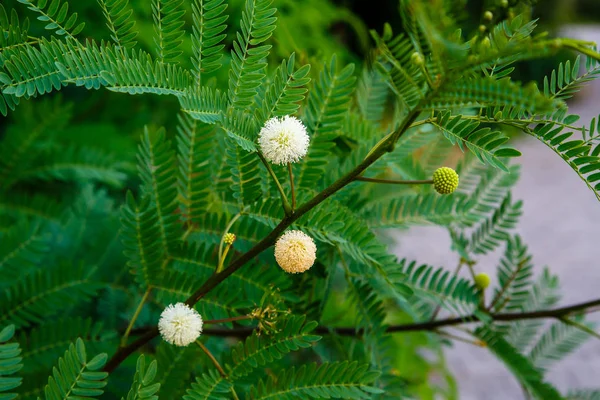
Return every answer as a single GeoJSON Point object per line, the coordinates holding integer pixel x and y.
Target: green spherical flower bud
{"type": "Point", "coordinates": [482, 28]}
{"type": "Point", "coordinates": [488, 16]}
{"type": "Point", "coordinates": [482, 280]}
{"type": "Point", "coordinates": [417, 58]}
{"type": "Point", "coordinates": [445, 180]}
{"type": "Point", "coordinates": [485, 43]}
{"type": "Point", "coordinates": [504, 3]}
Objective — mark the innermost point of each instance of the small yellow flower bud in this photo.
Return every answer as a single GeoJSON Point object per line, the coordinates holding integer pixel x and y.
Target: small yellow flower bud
{"type": "Point", "coordinates": [229, 238]}
{"type": "Point", "coordinates": [485, 43]}
{"type": "Point", "coordinates": [482, 28]}
{"type": "Point", "coordinates": [482, 280]}
{"type": "Point", "coordinates": [488, 16]}
{"type": "Point", "coordinates": [504, 3]}
{"type": "Point", "coordinates": [445, 180]}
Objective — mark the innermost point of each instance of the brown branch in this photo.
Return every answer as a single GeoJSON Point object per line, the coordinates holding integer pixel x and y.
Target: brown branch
{"type": "Point", "coordinates": [558, 313]}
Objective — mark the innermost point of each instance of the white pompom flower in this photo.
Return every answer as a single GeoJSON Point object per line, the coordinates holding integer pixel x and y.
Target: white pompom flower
{"type": "Point", "coordinates": [283, 140]}
{"type": "Point", "coordinates": [180, 324]}
{"type": "Point", "coordinates": [295, 252]}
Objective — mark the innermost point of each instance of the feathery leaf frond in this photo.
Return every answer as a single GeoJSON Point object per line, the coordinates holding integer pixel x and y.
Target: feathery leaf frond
{"type": "Point", "coordinates": [565, 81]}
{"type": "Point", "coordinates": [208, 33]}
{"type": "Point", "coordinates": [53, 288]}
{"type": "Point", "coordinates": [11, 363]}
{"type": "Point", "coordinates": [341, 380]}
{"type": "Point", "coordinates": [514, 276]}
{"type": "Point", "coordinates": [194, 142]}
{"type": "Point", "coordinates": [520, 366]}
{"type": "Point", "coordinates": [259, 350]}
{"type": "Point", "coordinates": [56, 16]}
{"type": "Point", "coordinates": [484, 143]}
{"type": "Point", "coordinates": [248, 63]}
{"type": "Point", "coordinates": [556, 342]}
{"type": "Point", "coordinates": [328, 101]}
{"type": "Point", "coordinates": [286, 91]}
{"type": "Point", "coordinates": [75, 376]}
{"type": "Point", "coordinates": [440, 286]}
{"type": "Point", "coordinates": [44, 344]}
{"type": "Point", "coordinates": [168, 28]}
{"type": "Point", "coordinates": [156, 165]}
{"type": "Point", "coordinates": [142, 386]}
{"type": "Point", "coordinates": [119, 22]}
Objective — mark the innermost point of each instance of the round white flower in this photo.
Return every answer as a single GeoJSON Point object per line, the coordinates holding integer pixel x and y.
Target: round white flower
{"type": "Point", "coordinates": [283, 140]}
{"type": "Point", "coordinates": [295, 252]}
{"type": "Point", "coordinates": [180, 324]}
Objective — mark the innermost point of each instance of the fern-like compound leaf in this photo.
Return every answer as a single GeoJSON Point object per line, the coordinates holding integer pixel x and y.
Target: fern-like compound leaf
{"type": "Point", "coordinates": [259, 350]}
{"type": "Point", "coordinates": [118, 15]}
{"type": "Point", "coordinates": [514, 276]}
{"type": "Point", "coordinates": [286, 91]}
{"type": "Point", "coordinates": [168, 28]}
{"type": "Point", "coordinates": [54, 287]}
{"type": "Point", "coordinates": [341, 380]}
{"type": "Point", "coordinates": [194, 141]}
{"type": "Point", "coordinates": [485, 143]}
{"type": "Point", "coordinates": [328, 102]}
{"type": "Point", "coordinates": [56, 16]}
{"type": "Point", "coordinates": [75, 376]}
{"type": "Point", "coordinates": [528, 375]}
{"type": "Point", "coordinates": [248, 56]}
{"type": "Point", "coordinates": [208, 33]}
{"type": "Point", "coordinates": [10, 354]}
{"type": "Point", "coordinates": [142, 386]}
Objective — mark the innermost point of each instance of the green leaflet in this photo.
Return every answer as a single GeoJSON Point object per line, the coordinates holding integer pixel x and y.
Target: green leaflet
{"type": "Point", "coordinates": [514, 276]}
{"type": "Point", "coordinates": [286, 91]}
{"type": "Point", "coordinates": [335, 380]}
{"type": "Point", "coordinates": [76, 375]}
{"type": "Point", "coordinates": [327, 104]}
{"type": "Point", "coordinates": [118, 20]}
{"type": "Point", "coordinates": [194, 144]}
{"type": "Point", "coordinates": [44, 344]}
{"type": "Point", "coordinates": [209, 24]}
{"type": "Point", "coordinates": [247, 63]}
{"type": "Point", "coordinates": [54, 287]}
{"type": "Point", "coordinates": [168, 28]}
{"type": "Point", "coordinates": [142, 386]}
{"type": "Point", "coordinates": [581, 155]}
{"type": "Point", "coordinates": [11, 363]}
{"type": "Point", "coordinates": [175, 365]}
{"type": "Point", "coordinates": [565, 81]}
{"type": "Point", "coordinates": [485, 143]}
{"type": "Point", "coordinates": [56, 16]}
{"type": "Point", "coordinates": [520, 366]}
{"type": "Point", "coordinates": [294, 334]}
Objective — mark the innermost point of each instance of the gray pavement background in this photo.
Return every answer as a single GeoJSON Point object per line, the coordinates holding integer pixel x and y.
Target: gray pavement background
{"type": "Point", "coordinates": [561, 226]}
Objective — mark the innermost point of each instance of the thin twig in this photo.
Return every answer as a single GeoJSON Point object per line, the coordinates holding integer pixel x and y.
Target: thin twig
{"type": "Point", "coordinates": [232, 319]}
{"type": "Point", "coordinates": [217, 365]}
{"type": "Point", "coordinates": [556, 313]}
{"type": "Point", "coordinates": [136, 314]}
{"type": "Point", "coordinates": [394, 182]}
{"type": "Point", "coordinates": [449, 335]}
{"type": "Point", "coordinates": [291, 173]}
{"type": "Point", "coordinates": [286, 204]}
{"type": "Point", "coordinates": [579, 326]}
